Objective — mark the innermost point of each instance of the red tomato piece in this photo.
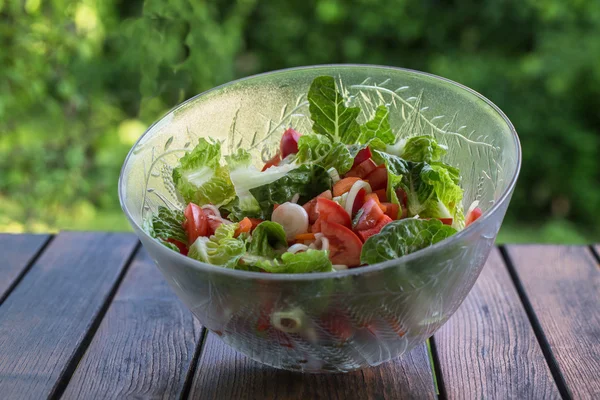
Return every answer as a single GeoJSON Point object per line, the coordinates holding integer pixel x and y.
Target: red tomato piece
{"type": "Point", "coordinates": [362, 155]}
{"type": "Point", "coordinates": [338, 325]}
{"type": "Point", "coordinates": [196, 223]}
{"type": "Point", "coordinates": [382, 194]}
{"type": "Point", "coordinates": [370, 214]}
{"type": "Point", "coordinates": [392, 210]}
{"type": "Point", "coordinates": [473, 215]}
{"type": "Point", "coordinates": [359, 201]}
{"type": "Point", "coordinates": [378, 178]}
{"type": "Point", "coordinates": [182, 247]}
{"type": "Point", "coordinates": [330, 211]}
{"type": "Point", "coordinates": [289, 143]}
{"type": "Point", "coordinates": [344, 245]}
{"type": "Point", "coordinates": [272, 162]}
{"type": "Point", "coordinates": [446, 221]}
{"type": "Point", "coordinates": [363, 169]}
{"type": "Point", "coordinates": [255, 222]}
{"type": "Point", "coordinates": [311, 206]}
{"type": "Point", "coordinates": [367, 233]}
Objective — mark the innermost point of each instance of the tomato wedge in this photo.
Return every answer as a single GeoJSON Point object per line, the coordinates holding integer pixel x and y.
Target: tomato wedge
{"type": "Point", "coordinates": [359, 201]}
{"type": "Point", "coordinates": [446, 221]}
{"type": "Point", "coordinates": [330, 211]}
{"type": "Point", "coordinates": [363, 169]}
{"type": "Point", "coordinates": [182, 247]}
{"type": "Point", "coordinates": [344, 245]}
{"type": "Point", "coordinates": [311, 206]}
{"type": "Point", "coordinates": [289, 143]}
{"type": "Point", "coordinates": [196, 222]}
{"type": "Point", "coordinates": [391, 210]}
{"type": "Point", "coordinates": [473, 215]}
{"type": "Point", "coordinates": [378, 178]}
{"type": "Point", "coordinates": [370, 214]}
{"type": "Point", "coordinates": [367, 233]}
{"type": "Point", "coordinates": [361, 156]}
{"type": "Point", "coordinates": [382, 194]}
{"type": "Point", "coordinates": [272, 162]}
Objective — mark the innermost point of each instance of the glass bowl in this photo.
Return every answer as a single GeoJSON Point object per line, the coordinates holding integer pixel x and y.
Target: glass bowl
{"type": "Point", "coordinates": [351, 319]}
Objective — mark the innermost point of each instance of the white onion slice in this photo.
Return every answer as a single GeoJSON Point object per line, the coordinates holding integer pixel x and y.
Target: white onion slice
{"type": "Point", "coordinates": [295, 198]}
{"type": "Point", "coordinates": [339, 267]}
{"type": "Point", "coordinates": [212, 208]}
{"type": "Point", "coordinates": [297, 247]}
{"type": "Point", "coordinates": [352, 194]}
{"type": "Point", "coordinates": [333, 173]}
{"type": "Point", "coordinates": [322, 243]}
{"type": "Point", "coordinates": [473, 206]}
{"type": "Point", "coordinates": [293, 218]}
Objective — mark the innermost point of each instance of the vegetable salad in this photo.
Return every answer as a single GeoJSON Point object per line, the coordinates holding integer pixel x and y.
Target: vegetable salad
{"type": "Point", "coordinates": [342, 196]}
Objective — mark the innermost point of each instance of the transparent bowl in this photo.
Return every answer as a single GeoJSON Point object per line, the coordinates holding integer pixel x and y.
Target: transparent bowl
{"type": "Point", "coordinates": [346, 320]}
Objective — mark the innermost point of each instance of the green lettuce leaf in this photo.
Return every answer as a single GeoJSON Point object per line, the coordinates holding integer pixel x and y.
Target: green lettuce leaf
{"type": "Point", "coordinates": [306, 180]}
{"type": "Point", "coordinates": [308, 261]}
{"type": "Point", "coordinates": [167, 224]}
{"type": "Point", "coordinates": [200, 178]}
{"type": "Point", "coordinates": [267, 242]}
{"type": "Point", "coordinates": [399, 238]}
{"type": "Point", "coordinates": [319, 149]}
{"type": "Point", "coordinates": [220, 249]}
{"type": "Point", "coordinates": [378, 127]}
{"type": "Point", "coordinates": [422, 149]}
{"type": "Point", "coordinates": [329, 114]}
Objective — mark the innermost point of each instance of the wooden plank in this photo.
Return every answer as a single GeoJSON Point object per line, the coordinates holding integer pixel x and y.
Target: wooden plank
{"type": "Point", "coordinates": [222, 373]}
{"type": "Point", "coordinates": [562, 289]}
{"type": "Point", "coordinates": [44, 322]}
{"type": "Point", "coordinates": [145, 344]}
{"type": "Point", "coordinates": [17, 252]}
{"type": "Point", "coordinates": [488, 348]}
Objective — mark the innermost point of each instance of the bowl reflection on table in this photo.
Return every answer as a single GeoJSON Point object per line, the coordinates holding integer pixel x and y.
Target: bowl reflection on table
{"type": "Point", "coordinates": [329, 321]}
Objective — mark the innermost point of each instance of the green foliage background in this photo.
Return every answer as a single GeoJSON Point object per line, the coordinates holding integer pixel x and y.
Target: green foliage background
{"type": "Point", "coordinates": [81, 79]}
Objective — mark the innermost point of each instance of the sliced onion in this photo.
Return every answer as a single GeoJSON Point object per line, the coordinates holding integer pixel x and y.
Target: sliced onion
{"type": "Point", "coordinates": [352, 194]}
{"type": "Point", "coordinates": [333, 173]}
{"type": "Point", "coordinates": [322, 243]}
{"type": "Point", "coordinates": [339, 267]}
{"type": "Point", "coordinates": [215, 218]}
{"type": "Point", "coordinates": [473, 206]}
{"type": "Point", "coordinates": [295, 198]}
{"type": "Point", "coordinates": [297, 247]}
{"type": "Point", "coordinates": [212, 208]}
{"type": "Point", "coordinates": [291, 321]}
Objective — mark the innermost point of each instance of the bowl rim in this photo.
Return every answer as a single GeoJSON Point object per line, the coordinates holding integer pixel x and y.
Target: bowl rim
{"type": "Point", "coordinates": [209, 268]}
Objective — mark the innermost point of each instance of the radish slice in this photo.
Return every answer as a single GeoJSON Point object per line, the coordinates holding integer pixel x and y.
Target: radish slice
{"type": "Point", "coordinates": [297, 248]}
{"type": "Point", "coordinates": [215, 211]}
{"type": "Point", "coordinates": [293, 218]}
{"type": "Point", "coordinates": [352, 195]}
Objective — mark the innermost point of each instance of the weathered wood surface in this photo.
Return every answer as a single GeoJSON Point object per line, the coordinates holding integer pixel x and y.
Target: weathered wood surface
{"type": "Point", "coordinates": [45, 320]}
{"type": "Point", "coordinates": [488, 349]}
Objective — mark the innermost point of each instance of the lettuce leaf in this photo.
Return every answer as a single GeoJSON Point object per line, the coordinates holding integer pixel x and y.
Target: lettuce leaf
{"type": "Point", "coordinates": [308, 261]}
{"type": "Point", "coordinates": [220, 249]}
{"type": "Point", "coordinates": [422, 149]}
{"type": "Point", "coordinates": [319, 149]}
{"type": "Point", "coordinates": [402, 237]}
{"type": "Point", "coordinates": [200, 178]}
{"type": "Point", "coordinates": [267, 242]}
{"type": "Point", "coordinates": [378, 127]}
{"type": "Point", "coordinates": [167, 224]}
{"type": "Point", "coordinates": [306, 180]}
{"type": "Point", "coordinates": [330, 115]}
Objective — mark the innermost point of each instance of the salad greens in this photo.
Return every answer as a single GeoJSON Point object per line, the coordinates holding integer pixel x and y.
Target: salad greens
{"type": "Point", "coordinates": [350, 193]}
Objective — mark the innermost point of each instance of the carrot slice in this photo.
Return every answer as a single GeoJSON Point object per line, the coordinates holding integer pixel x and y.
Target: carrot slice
{"type": "Point", "coordinates": [344, 185]}
{"type": "Point", "coordinates": [244, 226]}
{"type": "Point", "coordinates": [376, 198]}
{"type": "Point", "coordinates": [305, 236]}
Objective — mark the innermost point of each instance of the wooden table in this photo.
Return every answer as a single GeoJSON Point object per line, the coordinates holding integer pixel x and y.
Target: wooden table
{"type": "Point", "coordinates": [89, 316]}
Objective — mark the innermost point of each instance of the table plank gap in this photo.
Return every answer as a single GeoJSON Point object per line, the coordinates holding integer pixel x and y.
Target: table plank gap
{"type": "Point", "coordinates": [47, 317]}
{"type": "Point", "coordinates": [19, 253]}
{"type": "Point", "coordinates": [560, 289]}
{"type": "Point", "coordinates": [189, 379]}
{"type": "Point", "coordinates": [145, 345]}
{"type": "Point", "coordinates": [488, 348]}
{"type": "Point", "coordinates": [437, 369]}
{"type": "Point", "coordinates": [219, 365]}
{"type": "Point", "coordinates": [595, 249]}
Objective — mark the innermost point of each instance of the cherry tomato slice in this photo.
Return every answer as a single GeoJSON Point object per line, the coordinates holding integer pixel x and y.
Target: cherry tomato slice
{"type": "Point", "coordinates": [272, 162]}
{"type": "Point", "coordinates": [311, 206]}
{"type": "Point", "coordinates": [330, 211]}
{"type": "Point", "coordinates": [378, 178]}
{"type": "Point", "coordinates": [367, 233]}
{"type": "Point", "coordinates": [359, 201]}
{"type": "Point", "coordinates": [196, 223]}
{"type": "Point", "coordinates": [289, 143]}
{"type": "Point", "coordinates": [446, 221]}
{"type": "Point", "coordinates": [370, 214]}
{"type": "Point", "coordinates": [362, 155]}
{"type": "Point", "coordinates": [344, 245]}
{"type": "Point", "coordinates": [363, 169]}
{"type": "Point", "coordinates": [473, 215]}
{"type": "Point", "coordinates": [182, 247]}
